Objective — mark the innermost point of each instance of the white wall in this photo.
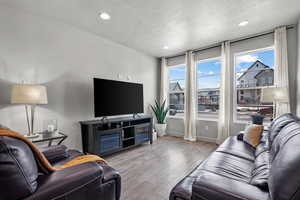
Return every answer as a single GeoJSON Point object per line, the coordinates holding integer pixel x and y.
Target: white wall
{"type": "Point", "coordinates": [43, 50]}
{"type": "Point", "coordinates": [298, 72]}
{"type": "Point", "coordinates": [207, 130]}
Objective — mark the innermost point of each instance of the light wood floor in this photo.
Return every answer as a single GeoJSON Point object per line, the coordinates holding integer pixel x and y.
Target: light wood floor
{"type": "Point", "coordinates": [150, 171]}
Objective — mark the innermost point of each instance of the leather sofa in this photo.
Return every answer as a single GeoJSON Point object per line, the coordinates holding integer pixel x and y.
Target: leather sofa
{"type": "Point", "coordinates": [20, 177]}
{"type": "Point", "coordinates": [237, 171]}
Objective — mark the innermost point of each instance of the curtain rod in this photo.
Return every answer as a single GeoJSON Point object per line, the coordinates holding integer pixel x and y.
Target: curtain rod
{"type": "Point", "coordinates": [233, 41]}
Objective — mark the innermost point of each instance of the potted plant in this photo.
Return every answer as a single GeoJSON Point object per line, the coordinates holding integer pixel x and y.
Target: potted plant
{"type": "Point", "coordinates": [160, 113]}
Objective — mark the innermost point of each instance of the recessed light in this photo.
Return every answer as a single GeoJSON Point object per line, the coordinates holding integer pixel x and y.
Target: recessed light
{"type": "Point", "coordinates": [244, 23]}
{"type": "Point", "coordinates": [166, 47]}
{"type": "Point", "coordinates": [104, 16]}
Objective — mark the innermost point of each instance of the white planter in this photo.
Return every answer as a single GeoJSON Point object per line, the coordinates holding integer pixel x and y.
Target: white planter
{"type": "Point", "coordinates": [160, 129]}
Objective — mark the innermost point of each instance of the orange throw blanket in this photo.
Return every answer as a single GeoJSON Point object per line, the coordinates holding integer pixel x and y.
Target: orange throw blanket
{"type": "Point", "coordinates": [42, 160]}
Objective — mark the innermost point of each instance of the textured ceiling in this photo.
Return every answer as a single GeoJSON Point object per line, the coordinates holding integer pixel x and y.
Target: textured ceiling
{"type": "Point", "coordinates": [148, 25]}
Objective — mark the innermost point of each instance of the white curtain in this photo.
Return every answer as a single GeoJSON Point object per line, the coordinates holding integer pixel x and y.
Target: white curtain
{"type": "Point", "coordinates": [281, 69]}
{"type": "Point", "coordinates": [164, 81]}
{"type": "Point", "coordinates": [190, 99]}
{"type": "Point", "coordinates": [225, 93]}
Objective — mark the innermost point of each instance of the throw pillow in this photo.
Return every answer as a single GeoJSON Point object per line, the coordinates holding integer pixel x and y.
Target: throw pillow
{"type": "Point", "coordinates": [253, 134]}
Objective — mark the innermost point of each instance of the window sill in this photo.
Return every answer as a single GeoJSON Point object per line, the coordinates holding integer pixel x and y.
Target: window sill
{"type": "Point", "coordinates": [174, 117]}
{"type": "Point", "coordinates": [249, 121]}
{"type": "Point", "coordinates": [205, 119]}
{"type": "Point", "coordinates": [198, 119]}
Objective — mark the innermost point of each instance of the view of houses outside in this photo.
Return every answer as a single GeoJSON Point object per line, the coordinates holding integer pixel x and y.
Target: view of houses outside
{"type": "Point", "coordinates": [176, 90]}
{"type": "Point", "coordinates": [253, 72]}
{"type": "Point", "coordinates": [208, 88]}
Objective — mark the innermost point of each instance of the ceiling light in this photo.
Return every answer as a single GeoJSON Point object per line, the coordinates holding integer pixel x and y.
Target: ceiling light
{"type": "Point", "coordinates": [166, 47]}
{"type": "Point", "coordinates": [104, 16]}
{"type": "Point", "coordinates": [243, 23]}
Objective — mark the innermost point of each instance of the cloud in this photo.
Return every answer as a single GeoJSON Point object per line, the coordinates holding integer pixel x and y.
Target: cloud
{"type": "Point", "coordinates": [246, 59]}
{"type": "Point", "coordinates": [178, 69]}
{"type": "Point", "coordinates": [217, 63]}
{"type": "Point", "coordinates": [211, 73]}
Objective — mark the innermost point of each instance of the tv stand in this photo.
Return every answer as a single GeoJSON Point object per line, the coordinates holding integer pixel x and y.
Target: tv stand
{"type": "Point", "coordinates": [103, 119]}
{"type": "Point", "coordinates": [136, 115]}
{"type": "Point", "coordinates": [103, 136]}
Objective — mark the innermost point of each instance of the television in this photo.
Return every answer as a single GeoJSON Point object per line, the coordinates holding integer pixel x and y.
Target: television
{"type": "Point", "coordinates": [117, 98]}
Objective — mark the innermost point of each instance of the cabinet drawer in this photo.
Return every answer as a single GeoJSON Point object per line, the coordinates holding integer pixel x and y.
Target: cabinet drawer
{"type": "Point", "coordinates": [110, 142]}
{"type": "Point", "coordinates": [142, 137]}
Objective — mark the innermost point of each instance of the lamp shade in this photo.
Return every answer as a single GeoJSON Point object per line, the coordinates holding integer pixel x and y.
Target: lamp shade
{"type": "Point", "coordinates": [267, 94]}
{"type": "Point", "coordinates": [29, 94]}
{"type": "Point", "coordinates": [275, 94]}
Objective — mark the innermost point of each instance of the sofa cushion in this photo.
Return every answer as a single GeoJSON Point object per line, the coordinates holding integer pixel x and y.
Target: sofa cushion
{"type": "Point", "coordinates": [231, 164]}
{"type": "Point", "coordinates": [18, 171]}
{"type": "Point", "coordinates": [227, 165]}
{"type": "Point", "coordinates": [284, 179]}
{"type": "Point", "coordinates": [260, 172]}
{"type": "Point", "coordinates": [109, 173]}
{"type": "Point", "coordinates": [211, 186]}
{"type": "Point", "coordinates": [279, 123]}
{"type": "Point", "coordinates": [237, 148]}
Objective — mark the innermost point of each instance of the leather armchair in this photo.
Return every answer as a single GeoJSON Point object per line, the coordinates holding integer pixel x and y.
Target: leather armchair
{"type": "Point", "coordinates": [20, 177]}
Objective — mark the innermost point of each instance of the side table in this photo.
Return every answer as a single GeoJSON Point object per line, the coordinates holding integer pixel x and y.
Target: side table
{"type": "Point", "coordinates": [49, 137]}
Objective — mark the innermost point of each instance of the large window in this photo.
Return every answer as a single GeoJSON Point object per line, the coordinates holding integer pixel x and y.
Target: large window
{"type": "Point", "coordinates": [253, 71]}
{"type": "Point", "coordinates": [176, 76]}
{"type": "Point", "coordinates": [208, 88]}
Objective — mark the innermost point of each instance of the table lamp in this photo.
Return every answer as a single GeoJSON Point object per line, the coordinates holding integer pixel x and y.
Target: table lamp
{"type": "Point", "coordinates": [275, 94]}
{"type": "Point", "coordinates": [30, 95]}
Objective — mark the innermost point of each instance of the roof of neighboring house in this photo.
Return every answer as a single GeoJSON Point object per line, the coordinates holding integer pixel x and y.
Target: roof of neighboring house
{"type": "Point", "coordinates": [173, 86]}
{"type": "Point", "coordinates": [263, 71]}
{"type": "Point", "coordinates": [253, 65]}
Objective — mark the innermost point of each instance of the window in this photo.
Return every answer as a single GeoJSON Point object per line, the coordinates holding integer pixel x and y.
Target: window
{"type": "Point", "coordinates": [176, 76]}
{"type": "Point", "coordinates": [208, 88]}
{"type": "Point", "coordinates": [253, 71]}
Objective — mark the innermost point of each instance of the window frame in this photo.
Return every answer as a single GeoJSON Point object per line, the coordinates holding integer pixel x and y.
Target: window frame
{"type": "Point", "coordinates": [235, 55]}
{"type": "Point", "coordinates": [196, 63]}
{"type": "Point", "coordinates": [168, 96]}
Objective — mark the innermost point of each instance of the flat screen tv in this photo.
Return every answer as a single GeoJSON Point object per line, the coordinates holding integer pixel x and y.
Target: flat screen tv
{"type": "Point", "coordinates": [117, 98]}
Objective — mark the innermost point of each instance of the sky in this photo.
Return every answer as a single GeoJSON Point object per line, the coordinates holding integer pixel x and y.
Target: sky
{"type": "Point", "coordinates": [208, 73]}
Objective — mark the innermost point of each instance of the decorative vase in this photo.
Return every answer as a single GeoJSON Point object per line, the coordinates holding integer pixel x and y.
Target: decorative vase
{"type": "Point", "coordinates": [160, 129]}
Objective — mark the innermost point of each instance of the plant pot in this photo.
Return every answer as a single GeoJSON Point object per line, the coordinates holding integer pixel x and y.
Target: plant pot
{"type": "Point", "coordinates": [160, 129]}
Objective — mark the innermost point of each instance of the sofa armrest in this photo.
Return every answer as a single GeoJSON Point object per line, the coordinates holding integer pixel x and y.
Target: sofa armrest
{"type": "Point", "coordinates": [213, 186]}
{"type": "Point", "coordinates": [77, 182]}
{"type": "Point", "coordinates": [55, 153]}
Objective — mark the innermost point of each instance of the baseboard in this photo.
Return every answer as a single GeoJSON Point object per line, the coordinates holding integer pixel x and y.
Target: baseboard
{"type": "Point", "coordinates": [174, 133]}
{"type": "Point", "coordinates": [206, 139]}
{"type": "Point", "coordinates": [199, 138]}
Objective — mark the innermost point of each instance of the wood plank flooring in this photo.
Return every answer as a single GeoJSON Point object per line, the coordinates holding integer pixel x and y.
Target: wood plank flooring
{"type": "Point", "coordinates": [150, 171]}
